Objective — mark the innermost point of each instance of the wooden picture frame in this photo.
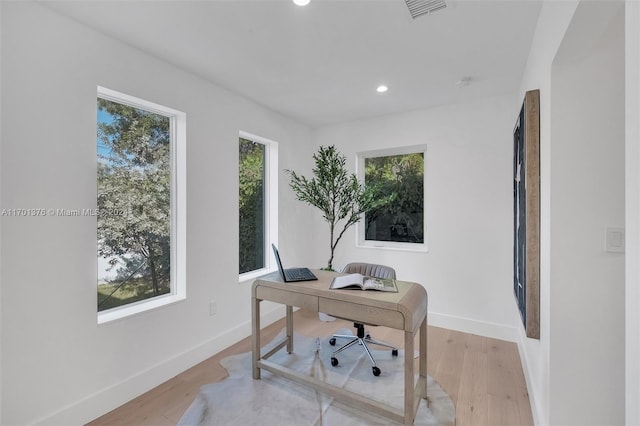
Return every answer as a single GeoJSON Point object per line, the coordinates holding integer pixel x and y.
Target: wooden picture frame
{"type": "Point", "coordinates": [526, 213]}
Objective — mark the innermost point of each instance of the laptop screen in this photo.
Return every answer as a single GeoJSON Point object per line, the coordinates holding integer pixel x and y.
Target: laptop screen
{"type": "Point", "coordinates": [278, 261]}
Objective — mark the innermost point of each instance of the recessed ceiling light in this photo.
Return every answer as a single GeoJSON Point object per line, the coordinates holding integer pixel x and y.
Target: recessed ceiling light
{"type": "Point", "coordinates": [382, 88]}
{"type": "Point", "coordinates": [301, 2]}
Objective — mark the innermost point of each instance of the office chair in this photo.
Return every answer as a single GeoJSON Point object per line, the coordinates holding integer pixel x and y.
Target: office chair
{"type": "Point", "coordinates": [372, 270]}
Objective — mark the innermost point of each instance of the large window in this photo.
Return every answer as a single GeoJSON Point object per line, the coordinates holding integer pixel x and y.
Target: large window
{"type": "Point", "coordinates": [257, 203]}
{"type": "Point", "coordinates": [140, 148]}
{"type": "Point", "coordinates": [400, 173]}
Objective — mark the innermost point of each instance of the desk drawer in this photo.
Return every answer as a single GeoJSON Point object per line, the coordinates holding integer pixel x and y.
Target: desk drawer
{"type": "Point", "coordinates": [362, 313]}
{"type": "Point", "coordinates": [285, 297]}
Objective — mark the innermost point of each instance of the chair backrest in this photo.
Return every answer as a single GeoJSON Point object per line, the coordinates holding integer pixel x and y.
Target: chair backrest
{"type": "Point", "coordinates": [370, 269]}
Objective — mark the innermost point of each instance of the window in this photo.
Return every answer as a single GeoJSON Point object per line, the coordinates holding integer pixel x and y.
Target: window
{"type": "Point", "coordinates": [140, 205]}
{"type": "Point", "coordinates": [257, 204]}
{"type": "Point", "coordinates": [400, 223]}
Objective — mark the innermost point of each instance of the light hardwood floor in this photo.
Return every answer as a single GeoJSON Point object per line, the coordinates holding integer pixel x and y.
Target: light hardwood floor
{"type": "Point", "coordinates": [483, 376]}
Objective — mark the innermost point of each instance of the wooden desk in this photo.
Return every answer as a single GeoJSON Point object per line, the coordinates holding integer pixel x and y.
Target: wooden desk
{"type": "Point", "coordinates": [405, 310]}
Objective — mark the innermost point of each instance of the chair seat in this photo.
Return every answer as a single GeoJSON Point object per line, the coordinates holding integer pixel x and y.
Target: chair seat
{"type": "Point", "coordinates": [362, 339]}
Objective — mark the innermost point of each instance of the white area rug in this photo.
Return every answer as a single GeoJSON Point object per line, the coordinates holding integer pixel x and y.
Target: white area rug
{"type": "Point", "coordinates": [273, 400]}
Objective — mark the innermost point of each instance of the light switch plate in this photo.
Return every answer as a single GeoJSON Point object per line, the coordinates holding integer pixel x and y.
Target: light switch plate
{"type": "Point", "coordinates": [614, 240]}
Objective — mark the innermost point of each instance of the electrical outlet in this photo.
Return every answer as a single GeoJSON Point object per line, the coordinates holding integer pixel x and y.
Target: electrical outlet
{"type": "Point", "coordinates": [213, 308]}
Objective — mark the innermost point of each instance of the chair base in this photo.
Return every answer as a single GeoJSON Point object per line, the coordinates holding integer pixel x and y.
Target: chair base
{"type": "Point", "coordinates": [363, 340]}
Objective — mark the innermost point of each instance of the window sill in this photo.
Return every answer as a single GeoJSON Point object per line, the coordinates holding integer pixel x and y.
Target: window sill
{"type": "Point", "coordinates": [387, 245]}
{"type": "Point", "coordinates": [138, 308]}
{"type": "Point", "coordinates": [250, 276]}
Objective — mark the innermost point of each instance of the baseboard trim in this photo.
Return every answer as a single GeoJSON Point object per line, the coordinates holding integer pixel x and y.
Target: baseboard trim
{"type": "Point", "coordinates": [536, 411]}
{"type": "Point", "coordinates": [112, 397]}
{"type": "Point", "coordinates": [471, 326]}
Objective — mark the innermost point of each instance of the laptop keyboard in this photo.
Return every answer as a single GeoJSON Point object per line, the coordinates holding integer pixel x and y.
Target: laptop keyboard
{"type": "Point", "coordinates": [299, 274]}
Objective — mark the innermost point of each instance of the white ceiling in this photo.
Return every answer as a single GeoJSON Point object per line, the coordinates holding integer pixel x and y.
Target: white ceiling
{"type": "Point", "coordinates": [321, 63]}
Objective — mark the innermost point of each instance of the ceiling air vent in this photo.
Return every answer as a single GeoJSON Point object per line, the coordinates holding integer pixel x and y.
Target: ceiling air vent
{"type": "Point", "coordinates": [424, 7]}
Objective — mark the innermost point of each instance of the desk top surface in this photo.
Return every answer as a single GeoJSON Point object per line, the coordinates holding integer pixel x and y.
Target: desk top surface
{"type": "Point", "coordinates": [410, 300]}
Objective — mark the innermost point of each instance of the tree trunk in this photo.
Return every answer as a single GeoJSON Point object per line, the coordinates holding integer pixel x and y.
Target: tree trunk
{"type": "Point", "coordinates": [154, 275]}
{"type": "Point", "coordinates": [330, 263]}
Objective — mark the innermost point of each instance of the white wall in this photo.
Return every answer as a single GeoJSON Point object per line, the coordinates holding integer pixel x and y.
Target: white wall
{"type": "Point", "coordinates": [552, 24]}
{"type": "Point", "coordinates": [587, 195]}
{"type": "Point", "coordinates": [0, 218]}
{"type": "Point", "coordinates": [632, 205]}
{"type": "Point", "coordinates": [581, 110]}
{"type": "Point", "coordinates": [468, 209]}
{"type": "Point", "coordinates": [58, 365]}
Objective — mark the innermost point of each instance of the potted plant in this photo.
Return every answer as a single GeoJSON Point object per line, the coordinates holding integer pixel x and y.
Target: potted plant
{"type": "Point", "coordinates": [338, 194]}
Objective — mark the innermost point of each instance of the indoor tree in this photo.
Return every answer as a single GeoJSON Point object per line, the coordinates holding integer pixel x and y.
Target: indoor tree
{"type": "Point", "coordinates": [338, 194]}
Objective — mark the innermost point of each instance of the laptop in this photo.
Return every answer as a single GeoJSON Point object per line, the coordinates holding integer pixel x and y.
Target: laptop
{"type": "Point", "coordinates": [292, 274]}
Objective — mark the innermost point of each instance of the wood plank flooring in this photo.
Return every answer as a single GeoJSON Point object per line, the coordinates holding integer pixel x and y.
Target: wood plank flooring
{"type": "Point", "coordinates": [483, 376]}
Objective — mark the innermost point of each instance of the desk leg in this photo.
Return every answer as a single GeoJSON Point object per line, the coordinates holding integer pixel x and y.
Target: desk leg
{"type": "Point", "coordinates": [255, 336]}
{"type": "Point", "coordinates": [423, 356]}
{"type": "Point", "coordinates": [409, 384]}
{"type": "Point", "coordinates": [289, 329]}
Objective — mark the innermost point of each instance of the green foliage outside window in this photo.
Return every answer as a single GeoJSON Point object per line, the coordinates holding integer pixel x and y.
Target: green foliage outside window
{"type": "Point", "coordinates": [134, 201]}
{"type": "Point", "coordinates": [252, 205]}
{"type": "Point", "coordinates": [401, 220]}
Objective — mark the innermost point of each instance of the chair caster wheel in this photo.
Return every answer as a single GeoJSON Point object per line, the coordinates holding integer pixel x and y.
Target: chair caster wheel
{"type": "Point", "coordinates": [334, 362]}
{"type": "Point", "coordinates": [368, 336]}
{"type": "Point", "coordinates": [332, 341]}
{"type": "Point", "coordinates": [394, 352]}
{"type": "Point", "coordinates": [376, 371]}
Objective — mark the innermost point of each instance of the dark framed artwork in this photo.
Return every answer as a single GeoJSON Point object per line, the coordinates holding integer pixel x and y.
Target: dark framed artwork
{"type": "Point", "coordinates": [526, 213]}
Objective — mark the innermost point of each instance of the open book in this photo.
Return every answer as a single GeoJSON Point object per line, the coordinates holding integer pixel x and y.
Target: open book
{"type": "Point", "coordinates": [355, 281]}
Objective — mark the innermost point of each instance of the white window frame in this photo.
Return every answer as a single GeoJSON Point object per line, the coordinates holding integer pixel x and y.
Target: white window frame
{"type": "Point", "coordinates": [178, 153]}
{"type": "Point", "coordinates": [270, 205]}
{"type": "Point", "coordinates": [361, 242]}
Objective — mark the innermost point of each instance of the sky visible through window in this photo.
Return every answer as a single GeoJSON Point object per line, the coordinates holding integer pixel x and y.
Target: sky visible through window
{"type": "Point", "coordinates": [103, 151]}
{"type": "Point", "coordinates": [103, 118]}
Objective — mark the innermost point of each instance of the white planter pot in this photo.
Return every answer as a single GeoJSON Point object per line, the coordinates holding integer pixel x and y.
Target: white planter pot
{"type": "Point", "coordinates": [325, 317]}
